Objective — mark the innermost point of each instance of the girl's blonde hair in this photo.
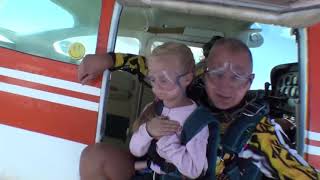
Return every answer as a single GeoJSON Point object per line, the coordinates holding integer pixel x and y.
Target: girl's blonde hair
{"type": "Point", "coordinates": [146, 115]}
{"type": "Point", "coordinates": [184, 57]}
{"type": "Point", "coordinates": [181, 51]}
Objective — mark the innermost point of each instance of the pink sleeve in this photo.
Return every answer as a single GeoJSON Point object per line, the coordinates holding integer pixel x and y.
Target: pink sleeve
{"type": "Point", "coordinates": [190, 159]}
{"type": "Point", "coordinates": [140, 141]}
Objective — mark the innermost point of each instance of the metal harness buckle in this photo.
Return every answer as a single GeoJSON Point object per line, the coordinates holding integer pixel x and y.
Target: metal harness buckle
{"type": "Point", "coordinates": [252, 109]}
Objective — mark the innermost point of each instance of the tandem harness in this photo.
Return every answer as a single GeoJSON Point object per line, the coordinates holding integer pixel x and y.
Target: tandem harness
{"type": "Point", "coordinates": [198, 119]}
{"type": "Point", "coordinates": [234, 139]}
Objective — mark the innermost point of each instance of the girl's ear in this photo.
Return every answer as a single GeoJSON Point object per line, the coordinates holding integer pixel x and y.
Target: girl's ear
{"type": "Point", "coordinates": [188, 78]}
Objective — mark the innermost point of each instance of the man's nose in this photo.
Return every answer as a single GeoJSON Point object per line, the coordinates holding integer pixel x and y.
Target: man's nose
{"type": "Point", "coordinates": [225, 82]}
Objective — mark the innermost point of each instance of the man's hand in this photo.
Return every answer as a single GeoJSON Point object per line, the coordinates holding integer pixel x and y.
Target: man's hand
{"type": "Point", "coordinates": [162, 126]}
{"type": "Point", "coordinates": [92, 66]}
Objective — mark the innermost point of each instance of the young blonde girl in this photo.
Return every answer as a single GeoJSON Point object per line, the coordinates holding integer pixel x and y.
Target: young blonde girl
{"type": "Point", "coordinates": [171, 70]}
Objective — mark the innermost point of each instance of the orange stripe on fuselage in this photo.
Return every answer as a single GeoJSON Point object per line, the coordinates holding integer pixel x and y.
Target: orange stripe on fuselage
{"type": "Point", "coordinates": [49, 89]}
{"type": "Point", "coordinates": [49, 118]}
{"type": "Point", "coordinates": [39, 65]}
{"type": "Point", "coordinates": [313, 142]}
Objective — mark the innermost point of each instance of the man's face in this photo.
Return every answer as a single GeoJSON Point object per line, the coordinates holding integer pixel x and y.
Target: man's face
{"type": "Point", "coordinates": [228, 77]}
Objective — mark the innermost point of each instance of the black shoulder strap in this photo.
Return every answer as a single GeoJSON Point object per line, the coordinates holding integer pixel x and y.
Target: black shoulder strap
{"type": "Point", "coordinates": [212, 149]}
{"type": "Point", "coordinates": [240, 131]}
{"type": "Point", "coordinates": [198, 119]}
{"type": "Point", "coordinates": [237, 135]}
{"type": "Point", "coordinates": [158, 107]}
{"type": "Point", "coordinates": [152, 154]}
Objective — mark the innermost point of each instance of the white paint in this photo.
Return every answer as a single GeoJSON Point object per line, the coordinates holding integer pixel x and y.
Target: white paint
{"type": "Point", "coordinates": [49, 81]}
{"type": "Point", "coordinates": [51, 97]}
{"type": "Point", "coordinates": [26, 155]}
{"type": "Point", "coordinates": [103, 102]}
{"type": "Point", "coordinates": [313, 150]}
{"type": "Point", "coordinates": [315, 136]}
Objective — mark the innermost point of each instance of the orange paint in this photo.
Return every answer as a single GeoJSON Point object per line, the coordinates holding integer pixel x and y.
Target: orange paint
{"type": "Point", "coordinates": [50, 89]}
{"type": "Point", "coordinates": [314, 75]}
{"type": "Point", "coordinates": [104, 26]}
{"type": "Point", "coordinates": [313, 121]}
{"type": "Point", "coordinates": [313, 160]}
{"type": "Point", "coordinates": [313, 142]}
{"type": "Point", "coordinates": [45, 117]}
{"type": "Point", "coordinates": [49, 118]}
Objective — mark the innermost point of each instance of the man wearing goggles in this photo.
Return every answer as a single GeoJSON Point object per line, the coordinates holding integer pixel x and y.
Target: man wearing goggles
{"type": "Point", "coordinates": [228, 76]}
{"type": "Point", "coordinates": [262, 150]}
{"type": "Point", "coordinates": [236, 79]}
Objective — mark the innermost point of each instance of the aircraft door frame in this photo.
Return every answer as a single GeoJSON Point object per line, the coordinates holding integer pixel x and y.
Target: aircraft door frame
{"type": "Point", "coordinates": [310, 137]}
{"type": "Point", "coordinates": [47, 117]}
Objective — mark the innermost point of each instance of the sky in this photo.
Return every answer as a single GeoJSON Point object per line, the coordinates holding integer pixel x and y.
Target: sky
{"type": "Point", "coordinates": [279, 47]}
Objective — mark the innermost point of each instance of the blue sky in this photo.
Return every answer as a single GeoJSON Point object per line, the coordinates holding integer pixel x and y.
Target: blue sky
{"type": "Point", "coordinates": [279, 47]}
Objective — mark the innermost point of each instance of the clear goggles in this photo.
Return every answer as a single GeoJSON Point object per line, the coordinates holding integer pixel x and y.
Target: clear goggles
{"type": "Point", "coordinates": [236, 78]}
{"type": "Point", "coordinates": [164, 79]}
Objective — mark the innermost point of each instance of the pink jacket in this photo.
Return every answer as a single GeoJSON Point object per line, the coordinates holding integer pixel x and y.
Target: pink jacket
{"type": "Point", "coordinates": [190, 159]}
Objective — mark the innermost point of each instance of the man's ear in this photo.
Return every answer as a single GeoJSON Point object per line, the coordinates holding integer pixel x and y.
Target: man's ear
{"type": "Point", "coordinates": [251, 78]}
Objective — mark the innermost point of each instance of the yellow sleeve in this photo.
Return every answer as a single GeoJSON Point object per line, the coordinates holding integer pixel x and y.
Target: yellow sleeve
{"type": "Point", "coordinates": [285, 163]}
{"type": "Point", "coordinates": [128, 62]}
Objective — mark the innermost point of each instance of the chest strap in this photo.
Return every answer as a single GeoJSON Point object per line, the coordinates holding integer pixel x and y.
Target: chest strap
{"type": "Point", "coordinates": [198, 119]}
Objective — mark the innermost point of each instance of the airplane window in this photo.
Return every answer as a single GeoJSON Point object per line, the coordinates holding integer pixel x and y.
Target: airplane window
{"type": "Point", "coordinates": [50, 29]}
{"type": "Point", "coordinates": [279, 47]}
{"type": "Point", "coordinates": [127, 45]}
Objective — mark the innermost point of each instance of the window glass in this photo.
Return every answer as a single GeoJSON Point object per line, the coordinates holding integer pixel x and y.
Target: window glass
{"type": "Point", "coordinates": [279, 47]}
{"type": "Point", "coordinates": [127, 45]}
{"type": "Point", "coordinates": [50, 29]}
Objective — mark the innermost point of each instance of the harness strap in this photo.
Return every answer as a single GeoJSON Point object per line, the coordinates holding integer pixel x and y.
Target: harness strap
{"type": "Point", "coordinates": [154, 157]}
{"type": "Point", "coordinates": [212, 150]}
{"type": "Point", "coordinates": [233, 143]}
{"type": "Point", "coordinates": [244, 126]}
{"type": "Point", "coordinates": [198, 119]}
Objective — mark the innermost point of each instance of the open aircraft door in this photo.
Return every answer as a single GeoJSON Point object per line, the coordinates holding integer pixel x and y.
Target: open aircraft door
{"type": "Point", "coordinates": [46, 116]}
{"type": "Point", "coordinates": [297, 14]}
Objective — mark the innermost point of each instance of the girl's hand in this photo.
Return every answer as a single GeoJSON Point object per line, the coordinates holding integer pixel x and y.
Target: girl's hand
{"type": "Point", "coordinates": [162, 126]}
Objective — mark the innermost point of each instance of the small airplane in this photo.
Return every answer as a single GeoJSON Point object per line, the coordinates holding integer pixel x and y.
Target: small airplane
{"type": "Point", "coordinates": [47, 117]}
